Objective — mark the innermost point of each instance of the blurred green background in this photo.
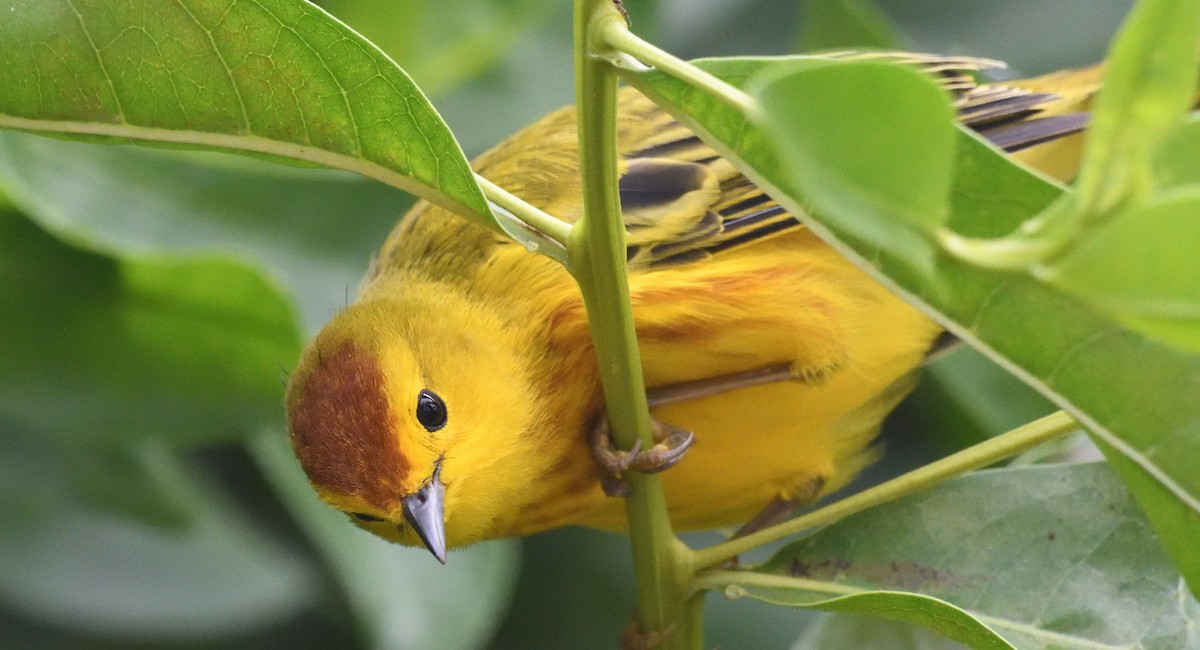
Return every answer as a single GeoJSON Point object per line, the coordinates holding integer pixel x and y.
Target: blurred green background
{"type": "Point", "coordinates": [147, 497]}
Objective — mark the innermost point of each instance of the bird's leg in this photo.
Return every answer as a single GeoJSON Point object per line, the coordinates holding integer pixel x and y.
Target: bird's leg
{"type": "Point", "coordinates": [670, 445]}
{"type": "Point", "coordinates": [699, 388]}
{"type": "Point", "coordinates": [781, 507]}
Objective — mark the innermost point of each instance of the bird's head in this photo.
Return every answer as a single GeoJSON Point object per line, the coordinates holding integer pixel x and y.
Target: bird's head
{"type": "Point", "coordinates": [408, 415]}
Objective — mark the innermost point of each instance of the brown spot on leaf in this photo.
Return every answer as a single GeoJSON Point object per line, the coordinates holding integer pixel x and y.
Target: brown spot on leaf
{"type": "Point", "coordinates": [830, 569]}
{"type": "Point", "coordinates": [341, 429]}
{"type": "Point", "coordinates": [909, 576]}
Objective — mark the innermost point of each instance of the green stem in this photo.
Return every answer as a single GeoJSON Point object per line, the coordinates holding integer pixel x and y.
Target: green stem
{"type": "Point", "coordinates": [554, 229]}
{"type": "Point", "coordinates": [695, 619]}
{"type": "Point", "coordinates": [619, 38]}
{"type": "Point", "coordinates": [596, 258]}
{"type": "Point", "coordinates": [981, 455]}
{"type": "Point", "coordinates": [1003, 254]}
{"type": "Point", "coordinates": [1037, 241]}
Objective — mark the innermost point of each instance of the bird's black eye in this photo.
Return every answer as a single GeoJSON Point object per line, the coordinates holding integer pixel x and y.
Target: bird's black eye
{"type": "Point", "coordinates": [365, 517]}
{"type": "Point", "coordinates": [431, 411]}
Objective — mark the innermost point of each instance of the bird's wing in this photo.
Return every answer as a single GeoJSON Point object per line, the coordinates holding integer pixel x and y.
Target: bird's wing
{"type": "Point", "coordinates": [682, 202]}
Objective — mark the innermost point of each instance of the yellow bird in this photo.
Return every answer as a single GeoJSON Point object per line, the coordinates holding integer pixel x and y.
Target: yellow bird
{"type": "Point", "coordinates": [454, 401]}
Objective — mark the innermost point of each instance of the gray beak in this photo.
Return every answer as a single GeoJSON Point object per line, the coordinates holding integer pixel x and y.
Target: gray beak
{"type": "Point", "coordinates": [424, 511]}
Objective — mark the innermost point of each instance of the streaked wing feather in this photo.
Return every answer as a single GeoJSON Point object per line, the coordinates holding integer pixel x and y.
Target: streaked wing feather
{"type": "Point", "coordinates": [1022, 135]}
{"type": "Point", "coordinates": [667, 229]}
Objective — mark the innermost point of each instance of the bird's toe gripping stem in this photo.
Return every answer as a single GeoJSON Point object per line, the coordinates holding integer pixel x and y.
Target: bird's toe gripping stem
{"type": "Point", "coordinates": [670, 445]}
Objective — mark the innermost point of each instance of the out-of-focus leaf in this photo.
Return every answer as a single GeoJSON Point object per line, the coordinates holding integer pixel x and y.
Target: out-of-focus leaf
{"type": "Point", "coordinates": [1149, 83]}
{"type": "Point", "coordinates": [724, 27]}
{"type": "Point", "coordinates": [276, 77]}
{"type": "Point", "coordinates": [838, 24]}
{"type": "Point", "coordinates": [1177, 160]}
{"type": "Point", "coordinates": [992, 397]}
{"type": "Point", "coordinates": [549, 610]}
{"type": "Point", "coordinates": [991, 196]}
{"type": "Point", "coordinates": [41, 475]}
{"type": "Point", "coordinates": [1048, 556]}
{"type": "Point", "coordinates": [100, 348]}
{"type": "Point", "coordinates": [441, 44]}
{"type": "Point", "coordinates": [104, 574]}
{"type": "Point", "coordinates": [402, 597]}
{"type": "Point", "coordinates": [1124, 387]}
{"type": "Point", "coordinates": [1141, 268]}
{"type": "Point", "coordinates": [316, 229]}
{"type": "Point", "coordinates": [892, 159]}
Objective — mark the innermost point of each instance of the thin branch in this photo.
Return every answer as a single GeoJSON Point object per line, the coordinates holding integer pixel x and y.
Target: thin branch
{"type": "Point", "coordinates": [596, 258]}
{"type": "Point", "coordinates": [981, 455]}
{"type": "Point", "coordinates": [618, 37]}
{"type": "Point", "coordinates": [551, 227]}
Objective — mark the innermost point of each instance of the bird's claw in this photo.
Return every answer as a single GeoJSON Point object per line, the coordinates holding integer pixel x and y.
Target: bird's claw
{"type": "Point", "coordinates": [672, 443]}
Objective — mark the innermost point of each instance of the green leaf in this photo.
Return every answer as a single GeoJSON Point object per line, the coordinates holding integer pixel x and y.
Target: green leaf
{"type": "Point", "coordinates": [99, 348]}
{"type": "Point", "coordinates": [991, 195]}
{"type": "Point", "coordinates": [40, 475]}
{"type": "Point", "coordinates": [836, 24]}
{"type": "Point", "coordinates": [401, 596]}
{"type": "Point", "coordinates": [1177, 159]}
{"type": "Point", "coordinates": [277, 77]}
{"type": "Point", "coordinates": [1149, 83]}
{"type": "Point", "coordinates": [1122, 386]}
{"type": "Point", "coordinates": [855, 632]}
{"type": "Point", "coordinates": [78, 568]}
{"type": "Point", "coordinates": [442, 44]}
{"type": "Point", "coordinates": [1140, 266]}
{"type": "Point", "coordinates": [1047, 556]}
{"type": "Point", "coordinates": [937, 615]}
{"type": "Point", "coordinates": [993, 399]}
{"type": "Point", "coordinates": [315, 229]}
{"type": "Point", "coordinates": [858, 155]}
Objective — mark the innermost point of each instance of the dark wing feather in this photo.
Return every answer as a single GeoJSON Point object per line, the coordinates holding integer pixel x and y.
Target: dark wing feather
{"type": "Point", "coordinates": [683, 203]}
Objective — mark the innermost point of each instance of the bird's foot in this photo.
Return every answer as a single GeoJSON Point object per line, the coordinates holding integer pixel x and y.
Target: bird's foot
{"type": "Point", "coordinates": [670, 445]}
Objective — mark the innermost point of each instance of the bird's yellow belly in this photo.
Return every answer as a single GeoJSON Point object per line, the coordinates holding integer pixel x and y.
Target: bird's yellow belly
{"type": "Point", "coordinates": [783, 439]}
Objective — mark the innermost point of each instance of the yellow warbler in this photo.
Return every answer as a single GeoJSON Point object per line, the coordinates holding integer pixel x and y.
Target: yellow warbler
{"type": "Point", "coordinates": [452, 402]}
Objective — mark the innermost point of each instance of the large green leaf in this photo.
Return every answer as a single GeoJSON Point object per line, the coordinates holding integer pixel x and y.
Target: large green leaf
{"type": "Point", "coordinates": [401, 597]}
{"type": "Point", "coordinates": [99, 348]}
{"type": "Point", "coordinates": [315, 229]}
{"type": "Point", "coordinates": [80, 568]}
{"type": "Point", "coordinates": [276, 77]}
{"type": "Point", "coordinates": [1125, 388]}
{"type": "Point", "coordinates": [1050, 556]}
{"type": "Point", "coordinates": [41, 475]}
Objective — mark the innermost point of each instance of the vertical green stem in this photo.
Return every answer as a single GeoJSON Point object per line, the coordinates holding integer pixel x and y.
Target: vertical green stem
{"type": "Point", "coordinates": [596, 257]}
